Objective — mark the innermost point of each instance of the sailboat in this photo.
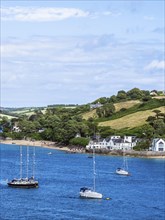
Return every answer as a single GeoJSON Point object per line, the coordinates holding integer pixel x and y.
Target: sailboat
{"type": "Point", "coordinates": [124, 169]}
{"type": "Point", "coordinates": [25, 182]}
{"type": "Point", "coordinates": [89, 193]}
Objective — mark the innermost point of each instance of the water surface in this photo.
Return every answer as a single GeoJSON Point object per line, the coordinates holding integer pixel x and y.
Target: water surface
{"type": "Point", "coordinates": [61, 175]}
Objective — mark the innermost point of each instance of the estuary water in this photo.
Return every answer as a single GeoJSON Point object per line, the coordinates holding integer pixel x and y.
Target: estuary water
{"type": "Point", "coordinates": [140, 196]}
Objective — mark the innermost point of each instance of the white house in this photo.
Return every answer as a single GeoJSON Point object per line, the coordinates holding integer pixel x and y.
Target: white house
{"type": "Point", "coordinates": [16, 129]}
{"type": "Point", "coordinates": [97, 105]}
{"type": "Point", "coordinates": [158, 144]}
{"type": "Point", "coordinates": [113, 143]}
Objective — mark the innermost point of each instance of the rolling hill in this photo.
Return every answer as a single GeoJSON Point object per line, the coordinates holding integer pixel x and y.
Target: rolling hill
{"type": "Point", "coordinates": [118, 106]}
{"type": "Point", "coordinates": [131, 120]}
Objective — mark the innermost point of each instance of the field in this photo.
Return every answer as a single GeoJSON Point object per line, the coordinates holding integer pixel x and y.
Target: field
{"type": "Point", "coordinates": [8, 116]}
{"type": "Point", "coordinates": [126, 105]}
{"type": "Point", "coordinates": [132, 120]}
{"type": "Point", "coordinates": [118, 106]}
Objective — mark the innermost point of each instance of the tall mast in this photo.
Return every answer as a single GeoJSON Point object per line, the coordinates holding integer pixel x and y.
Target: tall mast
{"type": "Point", "coordinates": [20, 162]}
{"type": "Point", "coordinates": [27, 163]}
{"type": "Point", "coordinates": [125, 165]}
{"type": "Point", "coordinates": [33, 161]}
{"type": "Point", "coordinates": [94, 170]}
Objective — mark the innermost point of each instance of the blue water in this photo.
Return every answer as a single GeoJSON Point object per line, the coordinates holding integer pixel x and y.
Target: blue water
{"type": "Point", "coordinates": [60, 175]}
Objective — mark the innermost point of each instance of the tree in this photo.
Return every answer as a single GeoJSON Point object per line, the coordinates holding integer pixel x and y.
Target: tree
{"type": "Point", "coordinates": [113, 99]}
{"type": "Point", "coordinates": [80, 141]}
{"type": "Point", "coordinates": [157, 112]}
{"type": "Point", "coordinates": [101, 100]}
{"type": "Point", "coordinates": [105, 111]}
{"type": "Point", "coordinates": [121, 95]}
{"type": "Point", "coordinates": [135, 93]}
{"type": "Point", "coordinates": [159, 127]}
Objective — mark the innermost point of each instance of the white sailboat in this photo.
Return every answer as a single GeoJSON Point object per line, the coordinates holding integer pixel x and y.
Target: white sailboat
{"type": "Point", "coordinates": [124, 169]}
{"type": "Point", "coordinates": [25, 182]}
{"type": "Point", "coordinates": [89, 193]}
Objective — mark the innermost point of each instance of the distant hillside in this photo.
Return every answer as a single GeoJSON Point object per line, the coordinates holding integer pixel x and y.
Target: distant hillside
{"type": "Point", "coordinates": [126, 113]}
{"type": "Point", "coordinates": [118, 107]}
{"type": "Point", "coordinates": [131, 120]}
{"type": "Point", "coordinates": [7, 116]}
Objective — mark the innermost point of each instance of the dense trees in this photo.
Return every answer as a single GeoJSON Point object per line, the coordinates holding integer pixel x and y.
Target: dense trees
{"type": "Point", "coordinates": [105, 111]}
{"type": "Point", "coordinates": [62, 124]}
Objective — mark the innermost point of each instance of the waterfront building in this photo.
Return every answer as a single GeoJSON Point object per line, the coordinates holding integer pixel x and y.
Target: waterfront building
{"type": "Point", "coordinates": [113, 143]}
{"type": "Point", "coordinates": [158, 144]}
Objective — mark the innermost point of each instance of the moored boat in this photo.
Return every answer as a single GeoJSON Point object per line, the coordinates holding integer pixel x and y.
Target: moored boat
{"type": "Point", "coordinates": [23, 183]}
{"type": "Point", "coordinates": [124, 169]}
{"type": "Point", "coordinates": [88, 193]}
{"type": "Point", "coordinates": [121, 171]}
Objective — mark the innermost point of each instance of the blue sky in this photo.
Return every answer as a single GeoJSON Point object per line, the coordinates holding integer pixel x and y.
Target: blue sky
{"type": "Point", "coordinates": [55, 52]}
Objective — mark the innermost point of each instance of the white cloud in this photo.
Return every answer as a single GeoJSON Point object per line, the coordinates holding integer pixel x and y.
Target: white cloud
{"type": "Point", "coordinates": [69, 66]}
{"type": "Point", "coordinates": [40, 14]}
{"type": "Point", "coordinates": [155, 64]}
{"type": "Point", "coordinates": [44, 14]}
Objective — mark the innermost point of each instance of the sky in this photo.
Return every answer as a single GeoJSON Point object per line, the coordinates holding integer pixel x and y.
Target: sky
{"type": "Point", "coordinates": [74, 52]}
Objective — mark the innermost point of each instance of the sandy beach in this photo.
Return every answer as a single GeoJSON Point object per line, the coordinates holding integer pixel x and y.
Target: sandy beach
{"type": "Point", "coordinates": [45, 144]}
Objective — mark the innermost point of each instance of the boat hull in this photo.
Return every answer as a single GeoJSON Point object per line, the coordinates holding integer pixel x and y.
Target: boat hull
{"type": "Point", "coordinates": [25, 186]}
{"type": "Point", "coordinates": [122, 172]}
{"type": "Point", "coordinates": [23, 183]}
{"type": "Point", "coordinates": [91, 195]}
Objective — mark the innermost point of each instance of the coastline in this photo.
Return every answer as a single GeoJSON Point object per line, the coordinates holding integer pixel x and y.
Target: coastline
{"type": "Point", "coordinates": [44, 144]}
{"type": "Point", "coordinates": [53, 145]}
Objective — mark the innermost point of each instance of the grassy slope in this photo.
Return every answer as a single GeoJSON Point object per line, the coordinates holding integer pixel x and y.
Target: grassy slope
{"type": "Point", "coordinates": [132, 120]}
{"type": "Point", "coordinates": [90, 114]}
{"type": "Point", "coordinates": [126, 105]}
{"type": "Point", "coordinates": [8, 116]}
{"type": "Point", "coordinates": [118, 106]}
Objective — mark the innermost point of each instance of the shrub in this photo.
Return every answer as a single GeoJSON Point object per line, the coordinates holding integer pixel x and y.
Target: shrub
{"type": "Point", "coordinates": [80, 141]}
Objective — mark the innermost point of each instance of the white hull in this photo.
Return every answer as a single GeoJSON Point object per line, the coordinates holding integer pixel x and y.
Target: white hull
{"type": "Point", "coordinates": [89, 194]}
{"type": "Point", "coordinates": [122, 172]}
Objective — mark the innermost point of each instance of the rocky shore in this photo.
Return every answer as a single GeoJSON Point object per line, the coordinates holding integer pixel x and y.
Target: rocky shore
{"type": "Point", "coordinates": [131, 153]}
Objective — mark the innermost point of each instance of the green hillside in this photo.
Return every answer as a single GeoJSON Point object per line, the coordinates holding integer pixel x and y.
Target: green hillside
{"type": "Point", "coordinates": [118, 107]}
{"type": "Point", "coordinates": [7, 116]}
{"type": "Point", "coordinates": [128, 113]}
{"type": "Point", "coordinates": [132, 120]}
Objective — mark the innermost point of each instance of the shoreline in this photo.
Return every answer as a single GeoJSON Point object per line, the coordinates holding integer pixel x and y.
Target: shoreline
{"type": "Point", "coordinates": [44, 144]}
{"type": "Point", "coordinates": [53, 145]}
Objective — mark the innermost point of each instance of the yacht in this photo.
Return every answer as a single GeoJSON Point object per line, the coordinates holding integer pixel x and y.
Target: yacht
{"type": "Point", "coordinates": [25, 182]}
{"type": "Point", "coordinates": [88, 193]}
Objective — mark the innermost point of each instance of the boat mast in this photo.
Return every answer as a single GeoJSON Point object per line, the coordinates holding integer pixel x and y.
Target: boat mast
{"type": "Point", "coordinates": [125, 165]}
{"type": "Point", "coordinates": [27, 163]}
{"type": "Point", "coordinates": [94, 170]}
{"type": "Point", "coordinates": [20, 162]}
{"type": "Point", "coordinates": [33, 161]}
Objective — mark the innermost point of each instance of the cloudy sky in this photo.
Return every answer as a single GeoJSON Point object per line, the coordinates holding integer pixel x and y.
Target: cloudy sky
{"type": "Point", "coordinates": [55, 52]}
